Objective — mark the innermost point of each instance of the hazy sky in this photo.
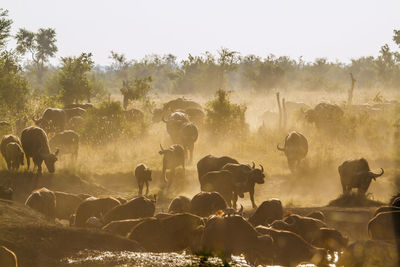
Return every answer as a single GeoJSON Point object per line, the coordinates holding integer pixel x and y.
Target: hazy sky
{"type": "Point", "coordinates": [310, 28]}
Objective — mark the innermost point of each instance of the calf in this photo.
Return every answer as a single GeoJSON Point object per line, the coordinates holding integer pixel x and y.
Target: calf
{"type": "Point", "coordinates": [14, 156]}
{"type": "Point", "coordinates": [173, 157]}
{"type": "Point", "coordinates": [143, 176]}
{"type": "Point", "coordinates": [10, 138]}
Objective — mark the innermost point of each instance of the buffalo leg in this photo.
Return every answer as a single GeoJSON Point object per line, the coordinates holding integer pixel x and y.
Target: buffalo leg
{"type": "Point", "coordinates": [147, 188]}
{"type": "Point", "coordinates": [235, 198]}
{"type": "Point", "coordinates": [140, 189]}
{"type": "Point", "coordinates": [191, 147]}
{"type": "Point", "coordinates": [163, 174]}
{"type": "Point", "coordinates": [28, 162]}
{"type": "Point", "coordinates": [251, 192]}
{"type": "Point", "coordinates": [8, 165]}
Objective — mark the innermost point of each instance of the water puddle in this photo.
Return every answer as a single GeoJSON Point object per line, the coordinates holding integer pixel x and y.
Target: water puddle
{"type": "Point", "coordinates": [129, 259]}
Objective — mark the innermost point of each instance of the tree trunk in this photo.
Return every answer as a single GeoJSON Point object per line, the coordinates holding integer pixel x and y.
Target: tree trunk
{"type": "Point", "coordinates": [351, 90]}
{"type": "Point", "coordinates": [280, 110]}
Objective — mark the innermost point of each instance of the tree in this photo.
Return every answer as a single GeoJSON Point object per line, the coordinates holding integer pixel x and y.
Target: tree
{"type": "Point", "coordinates": [5, 27]}
{"type": "Point", "coordinates": [135, 90]}
{"type": "Point", "coordinates": [263, 75]}
{"type": "Point", "coordinates": [120, 64]}
{"type": "Point", "coordinates": [73, 79]}
{"type": "Point", "coordinates": [13, 86]}
{"type": "Point", "coordinates": [41, 45]}
{"type": "Point", "coordinates": [225, 117]}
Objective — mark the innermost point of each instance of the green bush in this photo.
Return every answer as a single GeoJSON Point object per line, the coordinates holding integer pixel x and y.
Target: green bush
{"type": "Point", "coordinates": [224, 117]}
{"type": "Point", "coordinates": [105, 124]}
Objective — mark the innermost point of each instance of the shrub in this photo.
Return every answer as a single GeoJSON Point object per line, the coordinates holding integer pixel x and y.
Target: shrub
{"type": "Point", "coordinates": [225, 117]}
{"type": "Point", "coordinates": [105, 124]}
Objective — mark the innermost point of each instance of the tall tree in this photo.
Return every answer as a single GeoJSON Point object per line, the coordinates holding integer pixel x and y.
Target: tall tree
{"type": "Point", "coordinates": [135, 90]}
{"type": "Point", "coordinates": [5, 27]}
{"type": "Point", "coordinates": [73, 79]}
{"type": "Point", "coordinates": [41, 45]}
{"type": "Point", "coordinates": [13, 86]}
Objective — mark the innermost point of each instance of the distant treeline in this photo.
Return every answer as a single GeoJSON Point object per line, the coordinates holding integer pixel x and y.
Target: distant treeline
{"type": "Point", "coordinates": [78, 79]}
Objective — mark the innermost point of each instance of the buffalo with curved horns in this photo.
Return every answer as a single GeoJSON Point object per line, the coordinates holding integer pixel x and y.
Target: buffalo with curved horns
{"type": "Point", "coordinates": [36, 146]}
{"type": "Point", "coordinates": [356, 174]}
{"type": "Point", "coordinates": [52, 120]}
{"type": "Point", "coordinates": [295, 149]}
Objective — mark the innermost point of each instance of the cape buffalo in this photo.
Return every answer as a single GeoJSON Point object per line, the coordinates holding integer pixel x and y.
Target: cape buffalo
{"type": "Point", "coordinates": [83, 105]}
{"type": "Point", "coordinates": [36, 146]}
{"type": "Point", "coordinates": [134, 115]}
{"type": "Point", "coordinates": [356, 174]}
{"type": "Point", "coordinates": [182, 132]}
{"type": "Point", "coordinates": [52, 120]}
{"type": "Point", "coordinates": [143, 176]}
{"type": "Point", "coordinates": [179, 204]}
{"type": "Point", "coordinates": [66, 204]}
{"type": "Point", "coordinates": [291, 249]}
{"type": "Point", "coordinates": [330, 239]}
{"type": "Point", "coordinates": [13, 155]}
{"type": "Point", "coordinates": [211, 163]}
{"type": "Point", "coordinates": [295, 149]}
{"type": "Point", "coordinates": [325, 116]}
{"type": "Point", "coordinates": [181, 103]}
{"type": "Point", "coordinates": [385, 209]}
{"type": "Point", "coordinates": [123, 227]}
{"type": "Point", "coordinates": [6, 192]}
{"type": "Point", "coordinates": [269, 211]}
{"type": "Point", "coordinates": [224, 236]}
{"type": "Point", "coordinates": [244, 180]}
{"type": "Point", "coordinates": [319, 215]}
{"type": "Point", "coordinates": [67, 141]}
{"type": "Point", "coordinates": [207, 203]}
{"type": "Point", "coordinates": [139, 207]}
{"type": "Point", "coordinates": [307, 228]}
{"type": "Point", "coordinates": [219, 181]}
{"type": "Point", "coordinates": [8, 139]}
{"type": "Point", "coordinates": [7, 257]}
{"type": "Point", "coordinates": [93, 207]}
{"type": "Point", "coordinates": [73, 112]}
{"type": "Point", "coordinates": [75, 122]}
{"type": "Point", "coordinates": [385, 226]}
{"type": "Point", "coordinates": [172, 233]}
{"type": "Point", "coordinates": [44, 201]}
{"type": "Point", "coordinates": [173, 157]}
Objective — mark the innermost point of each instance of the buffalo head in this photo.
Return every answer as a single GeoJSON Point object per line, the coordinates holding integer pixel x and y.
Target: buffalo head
{"type": "Point", "coordinates": [257, 175]}
{"type": "Point", "coordinates": [50, 160]}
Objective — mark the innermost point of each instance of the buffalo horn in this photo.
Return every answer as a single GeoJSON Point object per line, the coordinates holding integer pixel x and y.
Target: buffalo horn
{"type": "Point", "coordinates": [262, 168]}
{"type": "Point", "coordinates": [254, 165]}
{"type": "Point", "coordinates": [281, 149]}
{"type": "Point", "coordinates": [376, 175]}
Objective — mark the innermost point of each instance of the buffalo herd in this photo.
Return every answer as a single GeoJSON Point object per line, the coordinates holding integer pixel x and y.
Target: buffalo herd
{"type": "Point", "coordinates": [209, 223]}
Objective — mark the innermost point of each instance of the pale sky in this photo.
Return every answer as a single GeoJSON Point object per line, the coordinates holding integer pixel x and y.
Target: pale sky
{"type": "Point", "coordinates": [339, 29]}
